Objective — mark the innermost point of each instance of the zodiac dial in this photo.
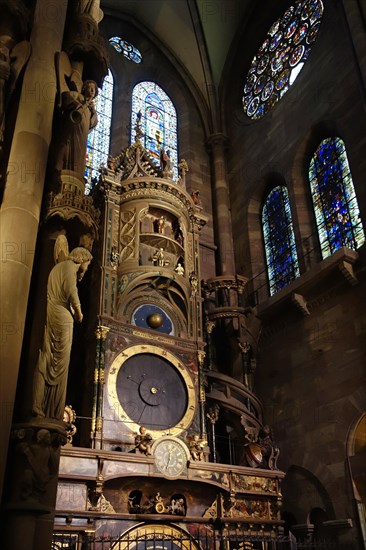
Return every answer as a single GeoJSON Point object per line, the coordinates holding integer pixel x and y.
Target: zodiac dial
{"type": "Point", "coordinates": [152, 389]}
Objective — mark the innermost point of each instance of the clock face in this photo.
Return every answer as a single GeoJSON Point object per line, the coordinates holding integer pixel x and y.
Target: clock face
{"type": "Point", "coordinates": [148, 386]}
{"type": "Point", "coordinates": [170, 457]}
{"type": "Point", "coordinates": [151, 391]}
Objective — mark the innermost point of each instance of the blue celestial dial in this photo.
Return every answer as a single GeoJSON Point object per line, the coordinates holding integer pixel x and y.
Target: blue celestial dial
{"type": "Point", "coordinates": [152, 317]}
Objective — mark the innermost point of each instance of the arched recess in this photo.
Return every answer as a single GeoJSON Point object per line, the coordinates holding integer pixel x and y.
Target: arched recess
{"type": "Point", "coordinates": [147, 536]}
{"type": "Point", "coordinates": [298, 481]}
{"type": "Point", "coordinates": [317, 517]}
{"type": "Point", "coordinates": [356, 459]}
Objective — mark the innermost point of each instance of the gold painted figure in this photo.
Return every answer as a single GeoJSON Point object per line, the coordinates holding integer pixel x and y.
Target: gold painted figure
{"type": "Point", "coordinates": [196, 448]}
{"type": "Point", "coordinates": [143, 441]}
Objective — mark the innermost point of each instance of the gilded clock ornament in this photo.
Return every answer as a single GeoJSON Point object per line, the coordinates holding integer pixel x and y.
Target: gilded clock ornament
{"type": "Point", "coordinates": [171, 456]}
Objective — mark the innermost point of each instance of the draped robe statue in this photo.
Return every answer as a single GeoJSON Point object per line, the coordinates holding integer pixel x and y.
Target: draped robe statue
{"type": "Point", "coordinates": [63, 306]}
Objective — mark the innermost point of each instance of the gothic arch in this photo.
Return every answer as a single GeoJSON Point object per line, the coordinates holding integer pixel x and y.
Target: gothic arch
{"type": "Point", "coordinates": [302, 481]}
{"type": "Point", "coordinates": [356, 454]}
{"type": "Point", "coordinates": [150, 533]}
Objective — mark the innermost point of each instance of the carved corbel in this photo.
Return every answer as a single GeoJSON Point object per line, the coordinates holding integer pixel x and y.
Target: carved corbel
{"type": "Point", "coordinates": [347, 271]}
{"type": "Point", "coordinates": [300, 303]}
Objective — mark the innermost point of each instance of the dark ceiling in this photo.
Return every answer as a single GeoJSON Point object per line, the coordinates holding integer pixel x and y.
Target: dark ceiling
{"type": "Point", "coordinates": [198, 32]}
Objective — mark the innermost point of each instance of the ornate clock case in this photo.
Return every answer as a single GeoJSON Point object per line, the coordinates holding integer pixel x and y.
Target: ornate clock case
{"type": "Point", "coordinates": [150, 303]}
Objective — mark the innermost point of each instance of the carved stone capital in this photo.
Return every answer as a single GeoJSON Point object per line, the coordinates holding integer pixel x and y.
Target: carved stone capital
{"type": "Point", "coordinates": [84, 43]}
{"type": "Point", "coordinates": [217, 141]}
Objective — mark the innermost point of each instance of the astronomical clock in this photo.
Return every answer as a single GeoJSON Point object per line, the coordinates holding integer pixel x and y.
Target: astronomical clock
{"type": "Point", "coordinates": [150, 304]}
{"type": "Point", "coordinates": [157, 466]}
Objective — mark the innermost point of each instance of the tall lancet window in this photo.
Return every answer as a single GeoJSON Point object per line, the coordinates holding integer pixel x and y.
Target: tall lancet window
{"type": "Point", "coordinates": [97, 150]}
{"type": "Point", "coordinates": [279, 240]}
{"type": "Point", "coordinates": [334, 199]}
{"type": "Point", "coordinates": [158, 122]}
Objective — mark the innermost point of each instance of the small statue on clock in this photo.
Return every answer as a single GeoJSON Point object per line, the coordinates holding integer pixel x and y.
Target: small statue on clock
{"type": "Point", "coordinates": [196, 448]}
{"type": "Point", "coordinates": [143, 441]}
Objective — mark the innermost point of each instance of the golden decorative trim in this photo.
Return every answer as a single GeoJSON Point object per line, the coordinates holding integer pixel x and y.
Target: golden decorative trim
{"type": "Point", "coordinates": [201, 357]}
{"type": "Point", "coordinates": [101, 332]}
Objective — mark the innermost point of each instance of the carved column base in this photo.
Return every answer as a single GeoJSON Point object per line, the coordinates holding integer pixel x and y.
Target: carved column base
{"type": "Point", "coordinates": [32, 475]}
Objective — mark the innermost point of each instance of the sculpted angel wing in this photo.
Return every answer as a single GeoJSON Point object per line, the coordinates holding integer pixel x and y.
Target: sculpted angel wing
{"type": "Point", "coordinates": [61, 249]}
{"type": "Point", "coordinates": [68, 80]}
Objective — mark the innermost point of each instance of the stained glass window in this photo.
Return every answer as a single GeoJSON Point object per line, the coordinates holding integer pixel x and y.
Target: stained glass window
{"type": "Point", "coordinates": [334, 199]}
{"type": "Point", "coordinates": [281, 57]}
{"type": "Point", "coordinates": [279, 240]}
{"type": "Point", "coordinates": [98, 140]}
{"type": "Point", "coordinates": [125, 48]}
{"type": "Point", "coordinates": [158, 122]}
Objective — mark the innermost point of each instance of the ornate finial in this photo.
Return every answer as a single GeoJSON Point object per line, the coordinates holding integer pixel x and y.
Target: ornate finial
{"type": "Point", "coordinates": [213, 413]}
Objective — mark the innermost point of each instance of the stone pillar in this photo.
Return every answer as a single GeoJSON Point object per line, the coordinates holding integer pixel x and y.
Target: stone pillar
{"type": "Point", "coordinates": [217, 143]}
{"type": "Point", "coordinates": [357, 29]}
{"type": "Point", "coordinates": [20, 213]}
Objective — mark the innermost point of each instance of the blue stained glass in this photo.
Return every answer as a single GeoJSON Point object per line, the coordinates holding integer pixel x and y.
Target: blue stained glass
{"type": "Point", "coordinates": [335, 204]}
{"type": "Point", "coordinates": [279, 240]}
{"type": "Point", "coordinates": [284, 51]}
{"type": "Point", "coordinates": [98, 140]}
{"type": "Point", "coordinates": [158, 121]}
{"type": "Point", "coordinates": [127, 49]}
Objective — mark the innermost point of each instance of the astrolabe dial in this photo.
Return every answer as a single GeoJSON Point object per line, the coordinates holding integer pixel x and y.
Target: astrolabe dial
{"type": "Point", "coordinates": [152, 389]}
{"type": "Point", "coordinates": [171, 456]}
